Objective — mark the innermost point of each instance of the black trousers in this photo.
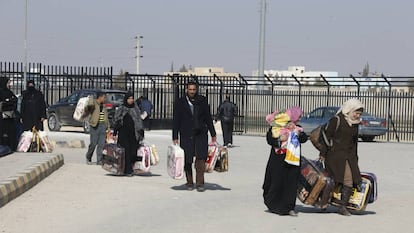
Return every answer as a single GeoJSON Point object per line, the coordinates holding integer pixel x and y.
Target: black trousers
{"type": "Point", "coordinates": [227, 128]}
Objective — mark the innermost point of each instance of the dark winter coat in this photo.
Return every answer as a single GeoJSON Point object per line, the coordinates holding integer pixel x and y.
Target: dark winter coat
{"type": "Point", "coordinates": [33, 108]}
{"type": "Point", "coordinates": [227, 111]}
{"type": "Point", "coordinates": [192, 128]}
{"type": "Point", "coordinates": [345, 141]}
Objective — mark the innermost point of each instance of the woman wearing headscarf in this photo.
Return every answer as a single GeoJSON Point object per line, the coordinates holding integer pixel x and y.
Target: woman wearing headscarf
{"type": "Point", "coordinates": [341, 159]}
{"type": "Point", "coordinates": [281, 177]}
{"type": "Point", "coordinates": [8, 106]}
{"type": "Point", "coordinates": [129, 129]}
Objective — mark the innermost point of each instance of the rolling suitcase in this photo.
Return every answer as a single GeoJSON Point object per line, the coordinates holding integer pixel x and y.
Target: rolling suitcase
{"type": "Point", "coordinates": [175, 161]}
{"type": "Point", "coordinates": [222, 163]}
{"type": "Point", "coordinates": [373, 195]}
{"type": "Point", "coordinates": [311, 183]}
{"type": "Point", "coordinates": [113, 159]}
{"type": "Point", "coordinates": [358, 200]}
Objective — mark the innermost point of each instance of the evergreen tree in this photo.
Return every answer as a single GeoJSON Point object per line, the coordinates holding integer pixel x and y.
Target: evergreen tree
{"type": "Point", "coordinates": [365, 71]}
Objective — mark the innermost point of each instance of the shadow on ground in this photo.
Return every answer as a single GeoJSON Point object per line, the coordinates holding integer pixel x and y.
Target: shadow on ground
{"type": "Point", "coordinates": [329, 210]}
{"type": "Point", "coordinates": [207, 186]}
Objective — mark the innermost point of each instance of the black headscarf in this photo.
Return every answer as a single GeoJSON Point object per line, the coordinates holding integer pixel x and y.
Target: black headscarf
{"type": "Point", "coordinates": [31, 86]}
{"type": "Point", "coordinates": [6, 96]}
{"type": "Point", "coordinates": [134, 112]}
{"type": "Point", "coordinates": [127, 95]}
{"type": "Point", "coordinates": [3, 82]}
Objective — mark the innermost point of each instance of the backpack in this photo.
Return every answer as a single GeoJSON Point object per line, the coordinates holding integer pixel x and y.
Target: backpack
{"type": "Point", "coordinates": [318, 136]}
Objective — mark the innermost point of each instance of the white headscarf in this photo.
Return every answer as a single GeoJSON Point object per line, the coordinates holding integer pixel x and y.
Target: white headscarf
{"type": "Point", "coordinates": [348, 108]}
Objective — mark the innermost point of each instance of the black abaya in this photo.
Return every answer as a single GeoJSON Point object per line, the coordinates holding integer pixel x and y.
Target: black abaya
{"type": "Point", "coordinates": [280, 184]}
{"type": "Point", "coordinates": [281, 179]}
{"type": "Point", "coordinates": [127, 140]}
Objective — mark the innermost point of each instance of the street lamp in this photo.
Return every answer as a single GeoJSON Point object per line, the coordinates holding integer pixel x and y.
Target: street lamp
{"type": "Point", "coordinates": [138, 47]}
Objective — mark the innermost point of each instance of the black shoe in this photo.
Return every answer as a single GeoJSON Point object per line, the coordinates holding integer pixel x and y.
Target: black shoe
{"type": "Point", "coordinates": [99, 163]}
{"type": "Point", "coordinates": [200, 188]}
{"type": "Point", "coordinates": [343, 211]}
{"type": "Point", "coordinates": [129, 174]}
{"type": "Point", "coordinates": [292, 213]}
{"type": "Point", "coordinates": [190, 187]}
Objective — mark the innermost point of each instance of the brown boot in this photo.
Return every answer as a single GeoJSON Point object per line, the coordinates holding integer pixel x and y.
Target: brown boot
{"type": "Point", "coordinates": [326, 195]}
{"type": "Point", "coordinates": [345, 195]}
{"type": "Point", "coordinates": [200, 169]}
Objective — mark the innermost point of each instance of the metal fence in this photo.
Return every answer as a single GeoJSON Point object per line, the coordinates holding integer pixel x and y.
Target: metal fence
{"type": "Point", "coordinates": [388, 97]}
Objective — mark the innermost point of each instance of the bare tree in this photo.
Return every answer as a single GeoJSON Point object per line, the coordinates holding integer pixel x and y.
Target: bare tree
{"type": "Point", "coordinates": [119, 81]}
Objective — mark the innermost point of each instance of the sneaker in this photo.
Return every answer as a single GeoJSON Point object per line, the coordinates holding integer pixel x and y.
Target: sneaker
{"type": "Point", "coordinates": [229, 145]}
{"type": "Point", "coordinates": [88, 162]}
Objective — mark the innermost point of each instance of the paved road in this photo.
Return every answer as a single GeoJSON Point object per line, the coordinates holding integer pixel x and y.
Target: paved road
{"type": "Point", "coordinates": [82, 198]}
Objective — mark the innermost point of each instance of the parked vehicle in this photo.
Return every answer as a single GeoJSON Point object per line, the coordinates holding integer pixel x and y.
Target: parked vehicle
{"type": "Point", "coordinates": [369, 128]}
{"type": "Point", "coordinates": [61, 113]}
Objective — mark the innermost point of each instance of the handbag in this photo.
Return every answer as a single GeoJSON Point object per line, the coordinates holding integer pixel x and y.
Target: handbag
{"type": "Point", "coordinates": [35, 144]}
{"type": "Point", "coordinates": [8, 115]}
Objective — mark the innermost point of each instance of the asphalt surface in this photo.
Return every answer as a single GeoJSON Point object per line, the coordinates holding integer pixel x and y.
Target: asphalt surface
{"type": "Point", "coordinates": [84, 198]}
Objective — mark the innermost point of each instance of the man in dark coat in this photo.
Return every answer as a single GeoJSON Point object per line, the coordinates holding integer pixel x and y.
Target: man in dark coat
{"type": "Point", "coordinates": [33, 109]}
{"type": "Point", "coordinates": [192, 119]}
{"type": "Point", "coordinates": [226, 113]}
{"type": "Point", "coordinates": [8, 106]}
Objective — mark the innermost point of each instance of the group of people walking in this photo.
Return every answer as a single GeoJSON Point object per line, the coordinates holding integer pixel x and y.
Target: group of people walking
{"type": "Point", "coordinates": [15, 119]}
{"type": "Point", "coordinates": [127, 127]}
{"type": "Point", "coordinates": [192, 121]}
{"type": "Point", "coordinates": [341, 161]}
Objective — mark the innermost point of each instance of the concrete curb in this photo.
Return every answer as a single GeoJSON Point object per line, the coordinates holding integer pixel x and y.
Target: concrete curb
{"type": "Point", "coordinates": [71, 144]}
{"type": "Point", "coordinates": [14, 186]}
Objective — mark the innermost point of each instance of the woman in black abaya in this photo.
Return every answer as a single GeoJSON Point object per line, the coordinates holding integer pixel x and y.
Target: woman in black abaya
{"type": "Point", "coordinates": [8, 106]}
{"type": "Point", "coordinates": [128, 126]}
{"type": "Point", "coordinates": [281, 178]}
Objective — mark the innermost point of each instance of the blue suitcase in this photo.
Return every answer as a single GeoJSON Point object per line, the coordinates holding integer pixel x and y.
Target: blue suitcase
{"type": "Point", "coordinates": [373, 195]}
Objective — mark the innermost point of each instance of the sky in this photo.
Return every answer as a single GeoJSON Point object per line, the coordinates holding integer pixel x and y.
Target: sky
{"type": "Point", "coordinates": [322, 35]}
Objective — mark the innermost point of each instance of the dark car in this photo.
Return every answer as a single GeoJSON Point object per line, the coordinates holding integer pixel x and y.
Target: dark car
{"type": "Point", "coordinates": [369, 128]}
{"type": "Point", "coordinates": [61, 113]}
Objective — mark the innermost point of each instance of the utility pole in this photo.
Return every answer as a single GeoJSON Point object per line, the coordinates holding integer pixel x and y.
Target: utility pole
{"type": "Point", "coordinates": [262, 40]}
{"type": "Point", "coordinates": [25, 44]}
{"type": "Point", "coordinates": [137, 48]}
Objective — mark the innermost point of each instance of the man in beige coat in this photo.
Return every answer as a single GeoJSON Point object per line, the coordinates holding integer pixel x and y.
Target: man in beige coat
{"type": "Point", "coordinates": [99, 124]}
